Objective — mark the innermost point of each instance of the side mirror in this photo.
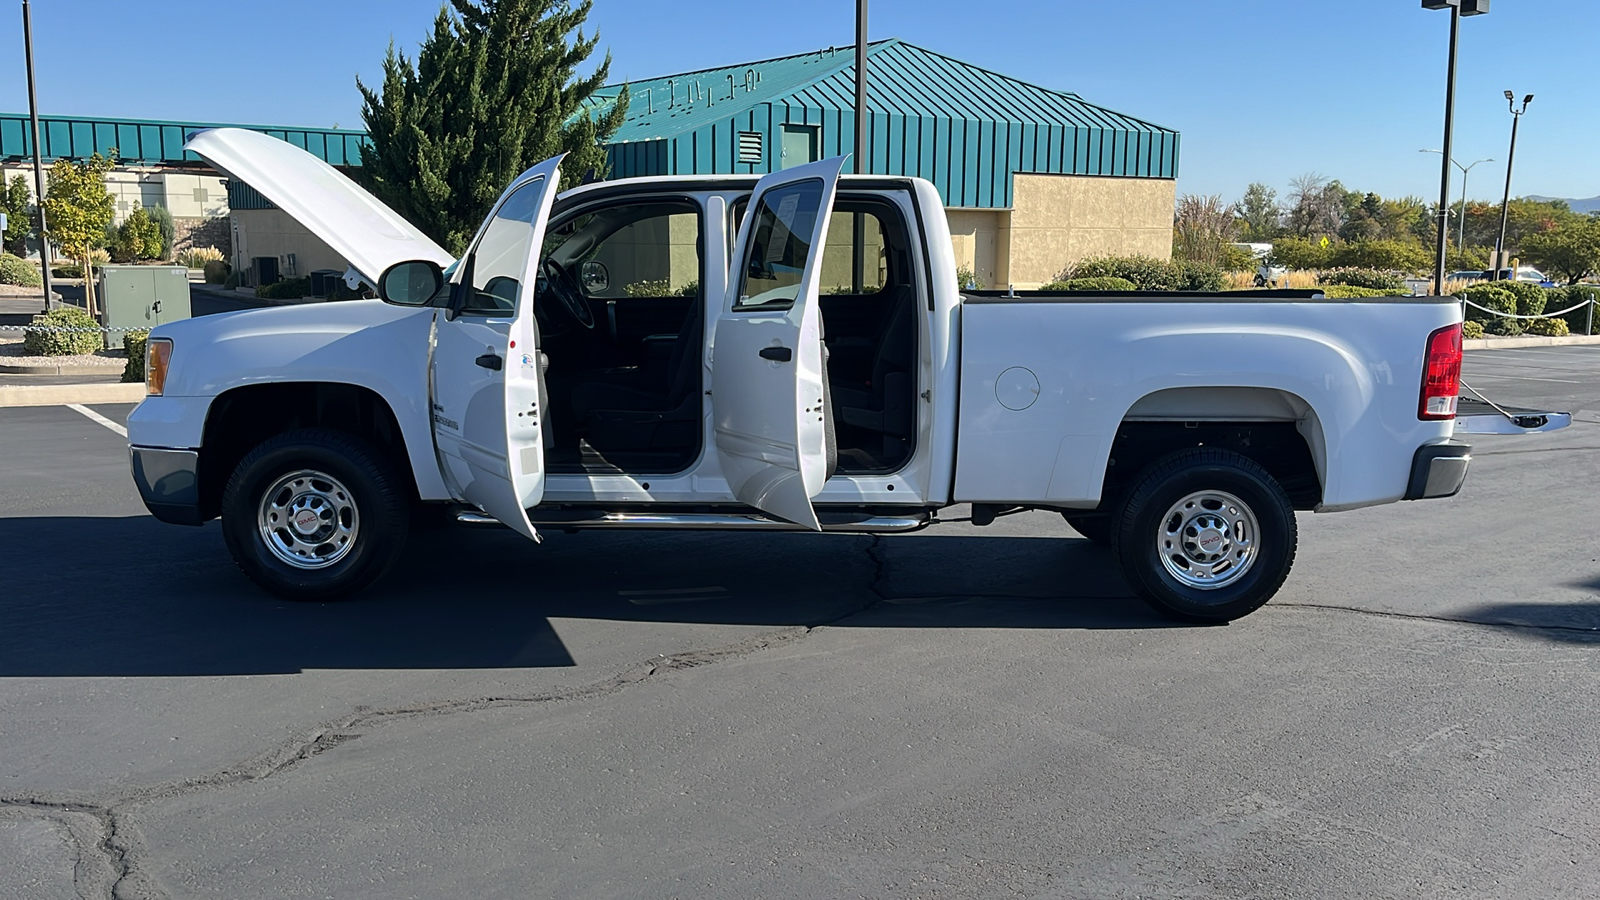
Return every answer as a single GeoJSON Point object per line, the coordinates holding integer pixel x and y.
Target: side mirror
{"type": "Point", "coordinates": [411, 283]}
{"type": "Point", "coordinates": [596, 277]}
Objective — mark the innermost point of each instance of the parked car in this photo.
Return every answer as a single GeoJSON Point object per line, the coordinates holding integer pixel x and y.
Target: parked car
{"type": "Point", "coordinates": [1523, 273]}
{"type": "Point", "coordinates": [593, 361]}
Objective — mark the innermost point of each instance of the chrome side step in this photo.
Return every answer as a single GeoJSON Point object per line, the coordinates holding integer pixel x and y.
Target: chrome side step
{"type": "Point", "coordinates": [859, 523]}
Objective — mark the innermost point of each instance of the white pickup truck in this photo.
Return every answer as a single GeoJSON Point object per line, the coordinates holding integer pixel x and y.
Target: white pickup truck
{"type": "Point", "coordinates": [791, 353]}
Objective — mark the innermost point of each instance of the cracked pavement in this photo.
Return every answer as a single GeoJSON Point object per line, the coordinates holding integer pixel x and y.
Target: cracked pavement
{"type": "Point", "coordinates": [959, 713]}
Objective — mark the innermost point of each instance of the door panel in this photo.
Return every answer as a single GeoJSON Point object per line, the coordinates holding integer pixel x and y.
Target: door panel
{"type": "Point", "coordinates": [768, 393]}
{"type": "Point", "coordinates": [487, 386]}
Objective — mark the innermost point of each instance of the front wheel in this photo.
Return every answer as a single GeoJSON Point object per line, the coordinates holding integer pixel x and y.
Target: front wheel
{"type": "Point", "coordinates": [1206, 536]}
{"type": "Point", "coordinates": [314, 515]}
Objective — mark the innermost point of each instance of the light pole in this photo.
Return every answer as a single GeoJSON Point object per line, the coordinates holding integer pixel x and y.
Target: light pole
{"type": "Point", "coordinates": [1458, 8]}
{"type": "Point", "coordinates": [38, 161]}
{"type": "Point", "coordinates": [1461, 236]}
{"type": "Point", "coordinates": [1505, 204]}
{"type": "Point", "coordinates": [863, 165]}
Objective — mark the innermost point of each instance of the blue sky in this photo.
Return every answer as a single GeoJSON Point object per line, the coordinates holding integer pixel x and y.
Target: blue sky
{"type": "Point", "coordinates": [1262, 90]}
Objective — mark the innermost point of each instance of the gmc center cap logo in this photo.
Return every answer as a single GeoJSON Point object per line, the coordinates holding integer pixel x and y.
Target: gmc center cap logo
{"type": "Point", "coordinates": [306, 521]}
{"type": "Point", "coordinates": [1210, 541]}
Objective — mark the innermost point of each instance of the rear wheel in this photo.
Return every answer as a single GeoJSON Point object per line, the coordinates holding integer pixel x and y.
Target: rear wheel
{"type": "Point", "coordinates": [1206, 536]}
{"type": "Point", "coordinates": [314, 515]}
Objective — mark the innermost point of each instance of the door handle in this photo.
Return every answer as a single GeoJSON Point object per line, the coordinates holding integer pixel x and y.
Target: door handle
{"type": "Point", "coordinates": [490, 361]}
{"type": "Point", "coordinates": [777, 354]}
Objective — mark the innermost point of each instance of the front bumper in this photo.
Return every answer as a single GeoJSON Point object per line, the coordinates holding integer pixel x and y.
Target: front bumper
{"type": "Point", "coordinates": [1438, 470]}
{"type": "Point", "coordinates": [168, 482]}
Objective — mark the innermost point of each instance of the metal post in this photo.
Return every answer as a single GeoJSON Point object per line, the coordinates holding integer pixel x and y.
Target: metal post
{"type": "Point", "coordinates": [1505, 204]}
{"type": "Point", "coordinates": [1444, 165]}
{"type": "Point", "coordinates": [1461, 220]}
{"type": "Point", "coordinates": [863, 165]}
{"type": "Point", "coordinates": [38, 160]}
{"type": "Point", "coordinates": [1588, 327]}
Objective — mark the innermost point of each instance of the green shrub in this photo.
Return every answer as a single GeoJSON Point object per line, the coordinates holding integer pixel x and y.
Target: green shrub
{"type": "Point", "coordinates": [1352, 292]}
{"type": "Point", "coordinates": [67, 270]}
{"type": "Point", "coordinates": [1472, 330]}
{"type": "Point", "coordinates": [230, 280]}
{"type": "Point", "coordinates": [18, 271]}
{"type": "Point", "coordinates": [161, 217]}
{"type": "Point", "coordinates": [966, 279]}
{"type": "Point", "coordinates": [133, 342]}
{"type": "Point", "coordinates": [1195, 276]}
{"type": "Point", "coordinates": [1365, 278]}
{"type": "Point", "coordinates": [1403, 256]}
{"type": "Point", "coordinates": [1146, 273]}
{"type": "Point", "coordinates": [217, 271]}
{"type": "Point", "coordinates": [62, 343]}
{"type": "Point", "coordinates": [1490, 296]}
{"type": "Point", "coordinates": [1238, 259]}
{"type": "Point", "coordinates": [1301, 253]}
{"type": "Point", "coordinates": [1530, 297]}
{"type": "Point", "coordinates": [138, 238]}
{"type": "Point", "coordinates": [1099, 283]}
{"type": "Point", "coordinates": [1548, 327]}
{"type": "Point", "coordinates": [287, 289]}
{"type": "Point", "coordinates": [1559, 299]}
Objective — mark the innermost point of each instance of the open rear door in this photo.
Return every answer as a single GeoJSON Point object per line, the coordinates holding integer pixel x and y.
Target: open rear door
{"type": "Point", "coordinates": [767, 373]}
{"type": "Point", "coordinates": [487, 390]}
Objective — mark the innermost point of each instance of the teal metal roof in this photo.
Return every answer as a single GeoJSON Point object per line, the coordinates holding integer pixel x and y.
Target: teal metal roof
{"type": "Point", "coordinates": [153, 142]}
{"type": "Point", "coordinates": [965, 128]}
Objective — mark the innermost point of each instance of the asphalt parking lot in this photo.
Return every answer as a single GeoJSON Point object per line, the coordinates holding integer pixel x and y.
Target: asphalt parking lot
{"type": "Point", "coordinates": [958, 713]}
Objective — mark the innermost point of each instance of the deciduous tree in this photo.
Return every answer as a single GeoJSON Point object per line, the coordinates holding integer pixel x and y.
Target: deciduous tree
{"type": "Point", "coordinates": [77, 209]}
{"type": "Point", "coordinates": [1570, 249]}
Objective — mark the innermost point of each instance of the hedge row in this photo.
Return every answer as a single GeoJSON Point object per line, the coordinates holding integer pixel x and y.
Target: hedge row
{"type": "Point", "coordinates": [62, 343]}
{"type": "Point", "coordinates": [1097, 283]}
{"type": "Point", "coordinates": [1147, 273]}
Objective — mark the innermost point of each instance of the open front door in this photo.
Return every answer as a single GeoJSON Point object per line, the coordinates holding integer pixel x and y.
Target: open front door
{"type": "Point", "coordinates": [486, 380]}
{"type": "Point", "coordinates": [768, 392]}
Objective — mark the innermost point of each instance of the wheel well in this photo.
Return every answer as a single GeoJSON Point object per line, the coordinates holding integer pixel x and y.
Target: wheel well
{"type": "Point", "coordinates": [1278, 447]}
{"type": "Point", "coordinates": [240, 419]}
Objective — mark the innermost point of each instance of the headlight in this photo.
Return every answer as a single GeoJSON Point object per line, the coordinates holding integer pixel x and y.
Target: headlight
{"type": "Point", "coordinates": [157, 356]}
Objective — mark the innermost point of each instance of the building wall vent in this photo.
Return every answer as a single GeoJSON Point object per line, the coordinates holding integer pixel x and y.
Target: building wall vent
{"type": "Point", "coordinates": [750, 147]}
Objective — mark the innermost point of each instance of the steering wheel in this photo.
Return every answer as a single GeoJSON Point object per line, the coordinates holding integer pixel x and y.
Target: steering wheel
{"type": "Point", "coordinates": [565, 289]}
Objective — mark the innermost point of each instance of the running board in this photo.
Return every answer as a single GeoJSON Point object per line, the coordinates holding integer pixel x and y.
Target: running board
{"type": "Point", "coordinates": [858, 523]}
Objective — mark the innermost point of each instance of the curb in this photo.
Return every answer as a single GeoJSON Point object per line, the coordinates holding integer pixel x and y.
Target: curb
{"type": "Point", "coordinates": [1519, 343]}
{"type": "Point", "coordinates": [61, 394]}
{"type": "Point", "coordinates": [59, 370]}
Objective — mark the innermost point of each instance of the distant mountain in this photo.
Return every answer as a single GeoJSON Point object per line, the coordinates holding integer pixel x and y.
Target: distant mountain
{"type": "Point", "coordinates": [1578, 206]}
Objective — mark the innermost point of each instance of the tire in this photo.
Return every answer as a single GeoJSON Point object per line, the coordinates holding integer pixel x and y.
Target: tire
{"type": "Point", "coordinates": [1095, 528]}
{"type": "Point", "coordinates": [315, 514]}
{"type": "Point", "coordinates": [1206, 536]}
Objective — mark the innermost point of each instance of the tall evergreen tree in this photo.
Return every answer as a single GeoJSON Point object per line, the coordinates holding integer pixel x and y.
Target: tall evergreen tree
{"type": "Point", "coordinates": [494, 90]}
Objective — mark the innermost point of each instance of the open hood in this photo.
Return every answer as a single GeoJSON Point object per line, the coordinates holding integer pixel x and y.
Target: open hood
{"type": "Point", "coordinates": [370, 236]}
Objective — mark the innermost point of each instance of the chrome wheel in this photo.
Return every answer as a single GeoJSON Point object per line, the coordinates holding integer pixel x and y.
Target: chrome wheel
{"type": "Point", "coordinates": [1208, 540]}
{"type": "Point", "coordinates": [308, 520]}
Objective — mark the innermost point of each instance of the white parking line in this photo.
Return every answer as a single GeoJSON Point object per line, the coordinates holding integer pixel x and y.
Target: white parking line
{"type": "Point", "coordinates": [96, 417]}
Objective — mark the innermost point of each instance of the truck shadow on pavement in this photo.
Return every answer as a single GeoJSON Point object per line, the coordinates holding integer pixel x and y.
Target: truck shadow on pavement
{"type": "Point", "coordinates": [132, 597]}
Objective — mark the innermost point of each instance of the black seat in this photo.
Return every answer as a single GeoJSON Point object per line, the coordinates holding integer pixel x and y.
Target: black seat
{"type": "Point", "coordinates": [884, 405]}
{"type": "Point", "coordinates": [618, 417]}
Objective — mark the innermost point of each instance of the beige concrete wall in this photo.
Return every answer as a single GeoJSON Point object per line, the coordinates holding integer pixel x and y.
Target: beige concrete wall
{"type": "Point", "coordinates": [187, 195]}
{"type": "Point", "coordinates": [273, 232]}
{"type": "Point", "coordinates": [1056, 220]}
{"type": "Point", "coordinates": [977, 236]}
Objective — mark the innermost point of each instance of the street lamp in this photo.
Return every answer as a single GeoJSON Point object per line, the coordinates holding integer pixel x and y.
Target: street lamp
{"type": "Point", "coordinates": [1505, 204]}
{"type": "Point", "coordinates": [1458, 8]}
{"type": "Point", "coordinates": [1461, 237]}
{"type": "Point", "coordinates": [38, 163]}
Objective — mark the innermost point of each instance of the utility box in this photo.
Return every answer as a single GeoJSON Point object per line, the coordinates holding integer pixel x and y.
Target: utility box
{"type": "Point", "coordinates": [325, 282]}
{"type": "Point", "coordinates": [141, 297]}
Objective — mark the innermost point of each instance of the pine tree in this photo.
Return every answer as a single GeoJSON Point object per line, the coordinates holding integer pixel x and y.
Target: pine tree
{"type": "Point", "coordinates": [493, 91]}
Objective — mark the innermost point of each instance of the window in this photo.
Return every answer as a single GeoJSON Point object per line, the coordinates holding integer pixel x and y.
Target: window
{"type": "Point", "coordinates": [780, 245]}
{"type": "Point", "coordinates": [855, 259]}
{"type": "Point", "coordinates": [634, 250]}
{"type": "Point", "coordinates": [499, 261]}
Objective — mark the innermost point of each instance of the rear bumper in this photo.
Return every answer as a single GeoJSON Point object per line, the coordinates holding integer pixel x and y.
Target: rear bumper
{"type": "Point", "coordinates": [168, 482]}
{"type": "Point", "coordinates": [1438, 470]}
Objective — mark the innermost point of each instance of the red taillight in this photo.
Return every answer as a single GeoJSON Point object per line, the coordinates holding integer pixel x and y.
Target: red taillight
{"type": "Point", "coordinates": [1441, 374]}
